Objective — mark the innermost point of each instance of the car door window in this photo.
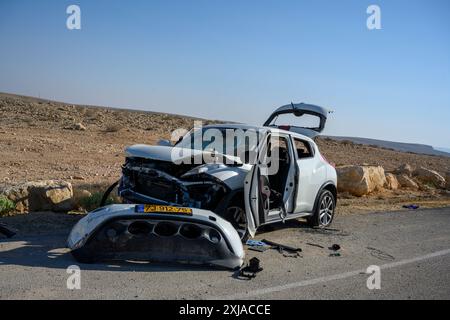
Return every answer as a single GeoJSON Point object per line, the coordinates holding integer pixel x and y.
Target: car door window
{"type": "Point", "coordinates": [303, 149]}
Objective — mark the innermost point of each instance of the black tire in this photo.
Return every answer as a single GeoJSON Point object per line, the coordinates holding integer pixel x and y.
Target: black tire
{"type": "Point", "coordinates": [324, 213]}
{"type": "Point", "coordinates": [107, 193]}
{"type": "Point", "coordinates": [82, 256]}
{"type": "Point", "coordinates": [237, 204]}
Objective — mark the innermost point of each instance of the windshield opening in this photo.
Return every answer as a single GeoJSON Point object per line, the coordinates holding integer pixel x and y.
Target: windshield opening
{"type": "Point", "coordinates": [227, 141]}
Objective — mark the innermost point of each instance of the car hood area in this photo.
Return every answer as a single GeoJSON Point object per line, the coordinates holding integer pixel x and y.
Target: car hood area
{"type": "Point", "coordinates": [232, 173]}
{"type": "Point", "coordinates": [175, 154]}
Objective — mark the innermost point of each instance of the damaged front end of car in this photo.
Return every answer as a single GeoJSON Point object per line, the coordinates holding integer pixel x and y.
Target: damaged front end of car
{"type": "Point", "coordinates": [157, 234]}
{"type": "Point", "coordinates": [160, 182]}
{"type": "Point", "coordinates": [154, 175]}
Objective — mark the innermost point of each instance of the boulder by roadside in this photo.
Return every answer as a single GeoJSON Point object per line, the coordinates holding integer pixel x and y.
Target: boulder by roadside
{"type": "Point", "coordinates": [447, 180]}
{"type": "Point", "coordinates": [429, 178]}
{"type": "Point", "coordinates": [391, 182]}
{"type": "Point", "coordinates": [48, 195]}
{"type": "Point", "coordinates": [406, 182]}
{"type": "Point", "coordinates": [360, 180]}
{"type": "Point", "coordinates": [404, 169]}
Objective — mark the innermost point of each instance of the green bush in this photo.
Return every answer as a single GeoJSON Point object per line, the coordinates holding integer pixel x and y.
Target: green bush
{"type": "Point", "coordinates": [6, 205]}
{"type": "Point", "coordinates": [93, 202]}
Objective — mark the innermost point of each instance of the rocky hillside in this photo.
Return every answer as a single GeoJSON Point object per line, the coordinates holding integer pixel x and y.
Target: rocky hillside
{"type": "Point", "coordinates": [43, 139]}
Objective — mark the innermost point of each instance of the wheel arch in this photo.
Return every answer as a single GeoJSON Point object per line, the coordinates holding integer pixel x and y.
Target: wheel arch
{"type": "Point", "coordinates": [229, 198]}
{"type": "Point", "coordinates": [330, 186]}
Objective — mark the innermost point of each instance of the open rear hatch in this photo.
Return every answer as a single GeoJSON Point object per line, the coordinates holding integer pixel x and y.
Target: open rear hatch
{"type": "Point", "coordinates": [315, 114]}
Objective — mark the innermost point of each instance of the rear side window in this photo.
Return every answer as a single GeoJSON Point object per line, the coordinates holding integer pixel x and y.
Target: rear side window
{"type": "Point", "coordinates": [303, 148]}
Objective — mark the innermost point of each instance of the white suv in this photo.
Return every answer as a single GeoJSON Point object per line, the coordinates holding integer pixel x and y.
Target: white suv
{"type": "Point", "coordinates": [244, 192]}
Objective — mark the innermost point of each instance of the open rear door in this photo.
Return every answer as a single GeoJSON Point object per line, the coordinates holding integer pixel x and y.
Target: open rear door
{"type": "Point", "coordinates": [300, 110]}
{"type": "Point", "coordinates": [257, 192]}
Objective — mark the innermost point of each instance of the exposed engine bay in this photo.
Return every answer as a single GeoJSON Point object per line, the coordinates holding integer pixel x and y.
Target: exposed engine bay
{"type": "Point", "coordinates": [150, 181]}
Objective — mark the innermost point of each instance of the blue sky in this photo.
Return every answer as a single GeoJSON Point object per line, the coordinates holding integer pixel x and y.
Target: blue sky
{"type": "Point", "coordinates": [238, 60]}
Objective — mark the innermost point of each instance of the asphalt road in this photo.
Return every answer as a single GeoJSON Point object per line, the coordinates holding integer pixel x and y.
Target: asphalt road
{"type": "Point", "coordinates": [412, 249]}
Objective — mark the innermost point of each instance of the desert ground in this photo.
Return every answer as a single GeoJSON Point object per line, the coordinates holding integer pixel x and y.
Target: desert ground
{"type": "Point", "coordinates": [43, 139]}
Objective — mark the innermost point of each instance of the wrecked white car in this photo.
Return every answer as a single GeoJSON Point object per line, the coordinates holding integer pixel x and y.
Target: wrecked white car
{"type": "Point", "coordinates": [194, 174]}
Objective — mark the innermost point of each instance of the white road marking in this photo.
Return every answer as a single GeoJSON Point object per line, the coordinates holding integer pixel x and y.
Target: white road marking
{"type": "Point", "coordinates": [349, 274]}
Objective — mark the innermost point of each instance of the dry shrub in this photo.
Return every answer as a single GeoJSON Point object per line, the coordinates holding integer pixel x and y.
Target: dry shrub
{"type": "Point", "coordinates": [113, 128]}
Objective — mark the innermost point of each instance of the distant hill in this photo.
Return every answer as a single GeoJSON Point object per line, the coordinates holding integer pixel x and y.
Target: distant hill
{"type": "Point", "coordinates": [398, 146]}
{"type": "Point", "coordinates": [447, 150]}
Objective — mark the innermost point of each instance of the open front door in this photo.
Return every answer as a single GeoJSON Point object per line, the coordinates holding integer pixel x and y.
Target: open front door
{"type": "Point", "coordinates": [290, 188]}
{"type": "Point", "coordinates": [257, 192]}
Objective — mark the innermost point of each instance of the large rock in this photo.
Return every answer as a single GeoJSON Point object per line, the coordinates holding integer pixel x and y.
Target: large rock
{"type": "Point", "coordinates": [429, 177]}
{"type": "Point", "coordinates": [391, 182]}
{"type": "Point", "coordinates": [405, 169]}
{"type": "Point", "coordinates": [407, 182]}
{"type": "Point", "coordinates": [360, 180]}
{"type": "Point", "coordinates": [447, 180]}
{"type": "Point", "coordinates": [49, 195]}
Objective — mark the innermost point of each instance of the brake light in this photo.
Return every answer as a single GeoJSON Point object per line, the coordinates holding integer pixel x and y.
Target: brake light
{"type": "Point", "coordinates": [329, 162]}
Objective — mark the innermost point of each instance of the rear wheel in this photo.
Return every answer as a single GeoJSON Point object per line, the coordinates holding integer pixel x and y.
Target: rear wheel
{"type": "Point", "coordinates": [324, 213]}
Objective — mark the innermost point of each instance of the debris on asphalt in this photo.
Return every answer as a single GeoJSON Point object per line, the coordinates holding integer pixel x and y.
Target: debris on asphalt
{"type": "Point", "coordinates": [286, 251]}
{"type": "Point", "coordinates": [335, 247]}
{"type": "Point", "coordinates": [259, 248]}
{"type": "Point", "coordinates": [327, 231]}
{"type": "Point", "coordinates": [315, 245]}
{"type": "Point", "coordinates": [255, 243]}
{"type": "Point", "coordinates": [291, 255]}
{"type": "Point", "coordinates": [7, 231]}
{"type": "Point", "coordinates": [377, 253]}
{"type": "Point", "coordinates": [335, 254]}
{"type": "Point", "coordinates": [250, 271]}
{"type": "Point", "coordinates": [411, 207]}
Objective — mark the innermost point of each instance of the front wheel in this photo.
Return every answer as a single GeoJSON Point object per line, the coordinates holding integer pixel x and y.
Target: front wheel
{"type": "Point", "coordinates": [324, 213]}
{"type": "Point", "coordinates": [235, 214]}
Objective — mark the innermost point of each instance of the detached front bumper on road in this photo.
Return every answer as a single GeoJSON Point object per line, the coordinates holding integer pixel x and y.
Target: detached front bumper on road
{"type": "Point", "coordinates": [122, 232]}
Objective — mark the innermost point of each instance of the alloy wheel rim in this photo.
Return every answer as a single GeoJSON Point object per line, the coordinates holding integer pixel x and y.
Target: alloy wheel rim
{"type": "Point", "coordinates": [326, 210]}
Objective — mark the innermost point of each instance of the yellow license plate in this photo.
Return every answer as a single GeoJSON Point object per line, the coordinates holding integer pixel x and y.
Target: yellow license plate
{"type": "Point", "coordinates": [151, 208]}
